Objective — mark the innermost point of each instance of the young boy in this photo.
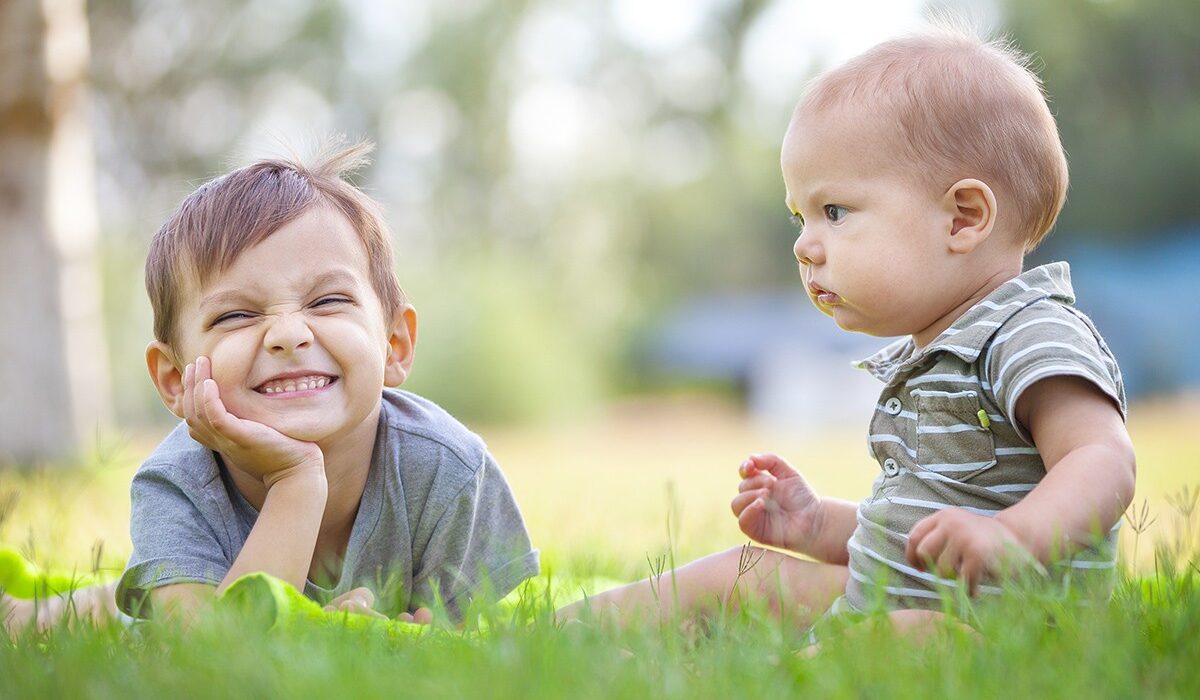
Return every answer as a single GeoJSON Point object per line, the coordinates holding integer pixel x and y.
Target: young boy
{"type": "Point", "coordinates": [920, 173]}
{"type": "Point", "coordinates": [279, 324]}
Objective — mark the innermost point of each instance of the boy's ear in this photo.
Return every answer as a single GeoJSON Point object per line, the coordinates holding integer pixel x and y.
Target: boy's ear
{"type": "Point", "coordinates": [972, 207]}
{"type": "Point", "coordinates": [402, 343]}
{"type": "Point", "coordinates": [167, 378]}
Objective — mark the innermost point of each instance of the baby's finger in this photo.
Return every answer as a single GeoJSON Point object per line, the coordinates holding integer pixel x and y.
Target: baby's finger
{"type": "Point", "coordinates": [774, 464]}
{"type": "Point", "coordinates": [949, 561]}
{"type": "Point", "coordinates": [751, 519]}
{"type": "Point", "coordinates": [744, 499]}
{"type": "Point", "coordinates": [923, 552]}
{"type": "Point", "coordinates": [747, 469]}
{"type": "Point", "coordinates": [423, 616]}
{"type": "Point", "coordinates": [405, 617]}
{"type": "Point", "coordinates": [971, 571]}
{"type": "Point", "coordinates": [918, 533]}
{"type": "Point", "coordinates": [759, 481]}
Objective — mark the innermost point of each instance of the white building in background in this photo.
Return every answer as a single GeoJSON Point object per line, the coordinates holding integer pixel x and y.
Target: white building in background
{"type": "Point", "coordinates": [792, 364]}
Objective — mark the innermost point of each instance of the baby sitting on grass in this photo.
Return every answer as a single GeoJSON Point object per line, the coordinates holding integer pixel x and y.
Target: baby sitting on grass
{"type": "Point", "coordinates": [920, 174]}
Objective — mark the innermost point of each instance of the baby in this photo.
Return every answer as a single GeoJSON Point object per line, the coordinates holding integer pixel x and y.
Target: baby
{"type": "Point", "coordinates": [920, 174]}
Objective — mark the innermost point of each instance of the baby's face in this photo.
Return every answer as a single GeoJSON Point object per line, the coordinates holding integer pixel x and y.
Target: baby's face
{"type": "Point", "coordinates": [295, 331]}
{"type": "Point", "coordinates": [870, 250]}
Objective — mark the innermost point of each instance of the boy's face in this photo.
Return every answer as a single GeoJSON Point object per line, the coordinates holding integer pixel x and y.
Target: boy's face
{"type": "Point", "coordinates": [872, 250]}
{"type": "Point", "coordinates": [295, 332]}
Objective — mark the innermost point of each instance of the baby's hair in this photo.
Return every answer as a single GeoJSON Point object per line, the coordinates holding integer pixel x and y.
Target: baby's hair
{"type": "Point", "coordinates": [232, 213]}
{"type": "Point", "coordinates": [961, 107]}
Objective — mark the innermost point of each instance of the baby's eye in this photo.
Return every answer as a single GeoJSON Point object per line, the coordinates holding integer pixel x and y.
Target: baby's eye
{"type": "Point", "coordinates": [835, 213]}
{"type": "Point", "coordinates": [798, 221]}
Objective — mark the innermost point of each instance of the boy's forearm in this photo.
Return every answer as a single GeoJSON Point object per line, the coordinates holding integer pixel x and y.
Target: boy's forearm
{"type": "Point", "coordinates": [282, 540]}
{"type": "Point", "coordinates": [838, 520]}
{"type": "Point", "coordinates": [1081, 498]}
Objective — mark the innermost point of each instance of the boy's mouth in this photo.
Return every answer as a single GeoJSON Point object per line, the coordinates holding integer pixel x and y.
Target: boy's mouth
{"type": "Point", "coordinates": [292, 383]}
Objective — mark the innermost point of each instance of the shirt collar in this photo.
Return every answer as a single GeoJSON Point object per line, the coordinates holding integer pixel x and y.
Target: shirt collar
{"type": "Point", "coordinates": [970, 333]}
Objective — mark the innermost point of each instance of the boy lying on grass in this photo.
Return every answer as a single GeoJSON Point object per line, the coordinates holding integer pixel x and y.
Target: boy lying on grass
{"type": "Point", "coordinates": [920, 174]}
{"type": "Point", "coordinates": [279, 327]}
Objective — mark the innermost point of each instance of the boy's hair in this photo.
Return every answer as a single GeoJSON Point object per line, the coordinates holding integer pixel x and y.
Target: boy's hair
{"type": "Point", "coordinates": [966, 107]}
{"type": "Point", "coordinates": [229, 214]}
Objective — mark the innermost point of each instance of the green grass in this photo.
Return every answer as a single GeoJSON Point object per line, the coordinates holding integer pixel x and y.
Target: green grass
{"type": "Point", "coordinates": [635, 467]}
{"type": "Point", "coordinates": [1143, 644]}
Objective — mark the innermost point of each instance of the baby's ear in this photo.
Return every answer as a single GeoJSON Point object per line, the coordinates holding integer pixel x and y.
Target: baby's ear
{"type": "Point", "coordinates": [167, 378]}
{"type": "Point", "coordinates": [402, 343]}
{"type": "Point", "coordinates": [972, 207]}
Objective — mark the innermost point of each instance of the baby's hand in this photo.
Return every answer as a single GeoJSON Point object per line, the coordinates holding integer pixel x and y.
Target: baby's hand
{"type": "Point", "coordinates": [260, 450]}
{"type": "Point", "coordinates": [775, 505]}
{"type": "Point", "coordinates": [957, 542]}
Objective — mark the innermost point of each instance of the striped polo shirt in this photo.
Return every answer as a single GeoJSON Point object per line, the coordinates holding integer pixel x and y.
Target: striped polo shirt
{"type": "Point", "coordinates": [944, 435]}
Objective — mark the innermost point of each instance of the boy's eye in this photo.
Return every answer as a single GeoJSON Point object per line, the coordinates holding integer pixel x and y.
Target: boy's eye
{"type": "Point", "coordinates": [835, 214]}
{"type": "Point", "coordinates": [329, 301]}
{"type": "Point", "coordinates": [798, 221]}
{"type": "Point", "coordinates": [231, 316]}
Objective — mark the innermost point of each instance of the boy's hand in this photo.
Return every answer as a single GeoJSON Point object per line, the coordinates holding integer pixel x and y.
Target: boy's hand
{"type": "Point", "coordinates": [775, 505]}
{"type": "Point", "coordinates": [957, 542]}
{"type": "Point", "coordinates": [256, 448]}
{"type": "Point", "coordinates": [361, 601]}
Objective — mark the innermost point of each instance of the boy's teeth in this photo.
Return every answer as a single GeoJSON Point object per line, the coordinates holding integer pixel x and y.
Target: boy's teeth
{"type": "Point", "coordinates": [284, 386]}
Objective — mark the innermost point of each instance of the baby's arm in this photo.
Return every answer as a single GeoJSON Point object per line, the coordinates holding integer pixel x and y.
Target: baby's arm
{"type": "Point", "coordinates": [1088, 484]}
{"type": "Point", "coordinates": [1089, 462]}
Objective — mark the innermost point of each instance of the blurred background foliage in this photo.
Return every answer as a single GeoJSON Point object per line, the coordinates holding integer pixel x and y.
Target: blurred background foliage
{"type": "Point", "coordinates": [560, 173]}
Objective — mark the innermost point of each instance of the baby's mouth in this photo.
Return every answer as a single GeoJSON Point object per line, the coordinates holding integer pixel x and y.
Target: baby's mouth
{"type": "Point", "coordinates": [822, 295]}
{"type": "Point", "coordinates": [291, 385]}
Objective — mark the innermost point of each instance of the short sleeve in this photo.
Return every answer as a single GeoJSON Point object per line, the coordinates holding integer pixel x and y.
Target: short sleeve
{"type": "Point", "coordinates": [478, 545]}
{"type": "Point", "coordinates": [172, 540]}
{"type": "Point", "coordinates": [1049, 340]}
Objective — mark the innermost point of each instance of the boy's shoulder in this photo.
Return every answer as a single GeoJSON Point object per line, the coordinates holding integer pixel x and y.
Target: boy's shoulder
{"type": "Point", "coordinates": [182, 460]}
{"type": "Point", "coordinates": [417, 431]}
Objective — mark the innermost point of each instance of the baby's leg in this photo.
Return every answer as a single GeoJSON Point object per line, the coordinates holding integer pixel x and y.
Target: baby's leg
{"type": "Point", "coordinates": [802, 588]}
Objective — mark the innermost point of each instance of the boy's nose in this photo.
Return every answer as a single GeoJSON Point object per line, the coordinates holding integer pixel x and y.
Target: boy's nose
{"type": "Point", "coordinates": [287, 333]}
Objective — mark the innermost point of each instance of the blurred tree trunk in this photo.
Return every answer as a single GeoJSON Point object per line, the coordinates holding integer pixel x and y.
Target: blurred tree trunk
{"type": "Point", "coordinates": [53, 360]}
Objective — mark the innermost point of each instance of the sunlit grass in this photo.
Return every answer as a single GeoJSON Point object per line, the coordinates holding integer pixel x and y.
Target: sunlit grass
{"type": "Point", "coordinates": [597, 497]}
{"type": "Point", "coordinates": [596, 493]}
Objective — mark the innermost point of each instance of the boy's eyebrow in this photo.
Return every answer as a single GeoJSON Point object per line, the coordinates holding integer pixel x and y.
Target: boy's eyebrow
{"type": "Point", "coordinates": [238, 296]}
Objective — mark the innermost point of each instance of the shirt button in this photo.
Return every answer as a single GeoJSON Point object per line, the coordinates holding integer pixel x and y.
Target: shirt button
{"type": "Point", "coordinates": [890, 467]}
{"type": "Point", "coordinates": [893, 406]}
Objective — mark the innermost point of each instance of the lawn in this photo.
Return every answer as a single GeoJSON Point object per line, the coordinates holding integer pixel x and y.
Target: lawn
{"type": "Point", "coordinates": [598, 496]}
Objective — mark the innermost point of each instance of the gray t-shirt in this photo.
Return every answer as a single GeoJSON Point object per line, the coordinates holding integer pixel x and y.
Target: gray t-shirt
{"type": "Point", "coordinates": [436, 519]}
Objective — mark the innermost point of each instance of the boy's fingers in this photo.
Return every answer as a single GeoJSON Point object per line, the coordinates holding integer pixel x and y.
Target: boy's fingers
{"type": "Point", "coordinates": [915, 536]}
{"type": "Point", "coordinates": [423, 616]}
